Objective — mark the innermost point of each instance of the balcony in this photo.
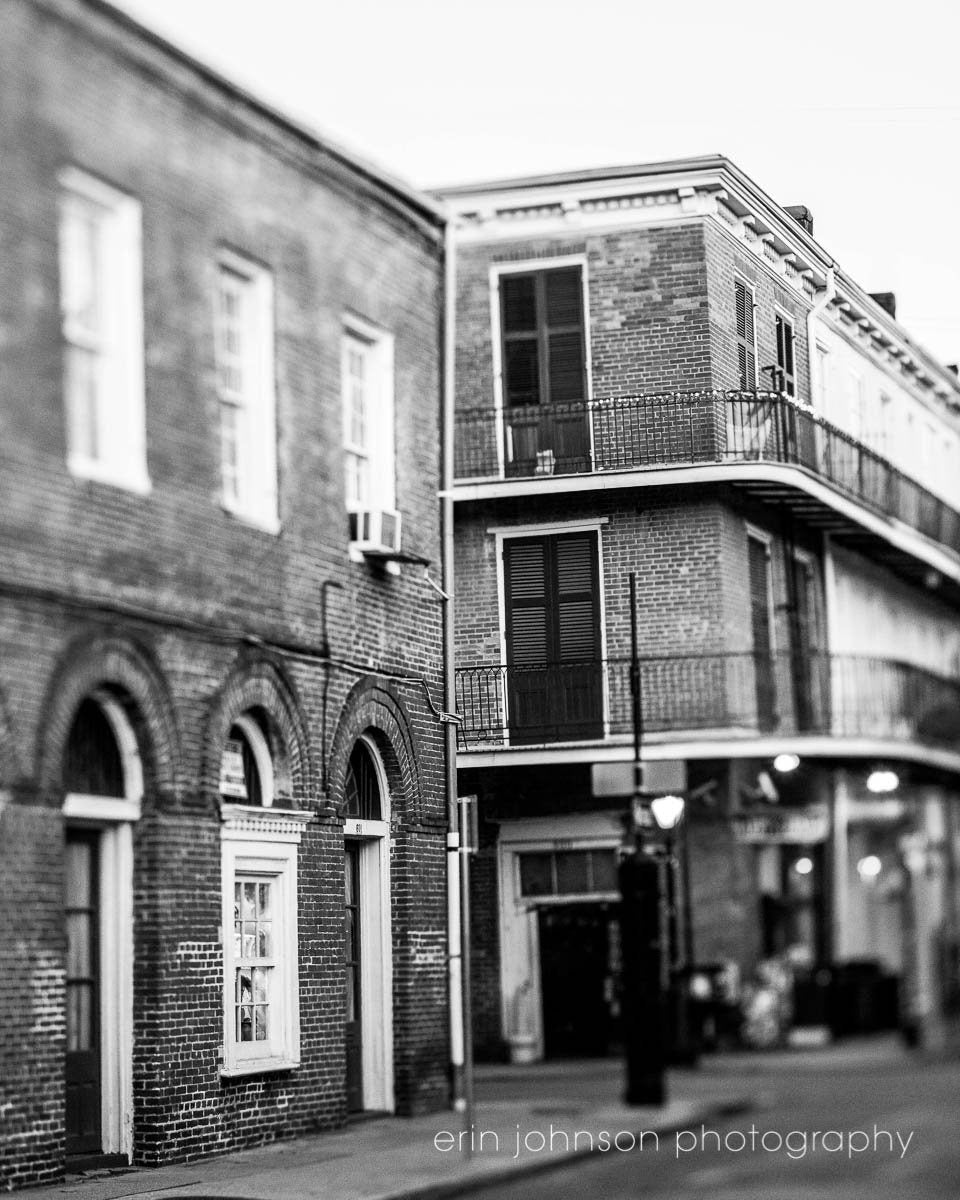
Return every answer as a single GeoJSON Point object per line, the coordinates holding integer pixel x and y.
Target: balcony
{"type": "Point", "coordinates": [732, 695]}
{"type": "Point", "coordinates": [647, 433]}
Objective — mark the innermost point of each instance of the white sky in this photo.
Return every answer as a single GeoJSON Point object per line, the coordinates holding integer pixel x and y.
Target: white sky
{"type": "Point", "coordinates": [849, 108]}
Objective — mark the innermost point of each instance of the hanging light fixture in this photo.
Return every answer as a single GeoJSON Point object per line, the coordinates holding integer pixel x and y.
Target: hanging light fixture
{"type": "Point", "coordinates": [667, 810]}
{"type": "Point", "coordinates": [784, 763]}
{"type": "Point", "coordinates": [869, 867]}
{"type": "Point", "coordinates": [882, 780]}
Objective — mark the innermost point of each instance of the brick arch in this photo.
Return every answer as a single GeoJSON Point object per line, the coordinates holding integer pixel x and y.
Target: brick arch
{"type": "Point", "coordinates": [262, 684]}
{"type": "Point", "coordinates": [374, 709]}
{"type": "Point", "coordinates": [128, 670]}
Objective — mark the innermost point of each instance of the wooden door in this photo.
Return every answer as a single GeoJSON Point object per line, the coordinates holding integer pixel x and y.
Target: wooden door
{"type": "Point", "coordinates": [83, 1131]}
{"type": "Point", "coordinates": [353, 950]}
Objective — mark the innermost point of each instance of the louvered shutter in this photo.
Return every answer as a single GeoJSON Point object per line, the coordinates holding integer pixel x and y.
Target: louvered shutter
{"type": "Point", "coordinates": [746, 355]}
{"type": "Point", "coordinates": [521, 353]}
{"type": "Point", "coordinates": [529, 636]}
{"type": "Point", "coordinates": [576, 600]}
{"type": "Point", "coordinates": [563, 302]}
{"type": "Point", "coordinates": [765, 688]}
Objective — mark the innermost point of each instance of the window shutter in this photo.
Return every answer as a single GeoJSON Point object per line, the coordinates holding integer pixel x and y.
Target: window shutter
{"type": "Point", "coordinates": [525, 565]}
{"type": "Point", "coordinates": [577, 634]}
{"type": "Point", "coordinates": [521, 354]}
{"type": "Point", "coordinates": [746, 356]}
{"type": "Point", "coordinates": [759, 568]}
{"type": "Point", "coordinates": [563, 301]}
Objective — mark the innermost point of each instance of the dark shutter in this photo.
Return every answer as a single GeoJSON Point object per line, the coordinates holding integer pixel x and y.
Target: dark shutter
{"type": "Point", "coordinates": [543, 340]}
{"type": "Point", "coordinates": [785, 355]}
{"type": "Point", "coordinates": [746, 354]}
{"type": "Point", "coordinates": [554, 674]}
{"type": "Point", "coordinates": [765, 689]}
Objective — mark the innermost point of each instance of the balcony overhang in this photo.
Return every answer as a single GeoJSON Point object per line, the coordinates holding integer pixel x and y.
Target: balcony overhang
{"type": "Point", "coordinates": [717, 744]}
{"type": "Point", "coordinates": [808, 498]}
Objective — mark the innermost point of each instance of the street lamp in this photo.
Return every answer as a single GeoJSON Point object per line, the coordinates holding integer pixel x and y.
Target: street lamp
{"type": "Point", "coordinates": [882, 780]}
{"type": "Point", "coordinates": [667, 811]}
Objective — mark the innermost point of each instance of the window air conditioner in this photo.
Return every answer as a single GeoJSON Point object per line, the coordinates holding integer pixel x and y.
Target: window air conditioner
{"type": "Point", "coordinates": [375, 530]}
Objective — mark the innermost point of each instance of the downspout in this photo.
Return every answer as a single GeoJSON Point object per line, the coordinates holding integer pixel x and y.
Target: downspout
{"type": "Point", "coordinates": [830, 291]}
{"type": "Point", "coordinates": [454, 941]}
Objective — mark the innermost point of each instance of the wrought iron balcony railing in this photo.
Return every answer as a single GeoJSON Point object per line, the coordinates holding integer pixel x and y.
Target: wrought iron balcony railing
{"type": "Point", "coordinates": [675, 428]}
{"type": "Point", "coordinates": [743, 693]}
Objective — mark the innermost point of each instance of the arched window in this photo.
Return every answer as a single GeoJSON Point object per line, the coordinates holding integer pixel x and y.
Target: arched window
{"type": "Point", "coordinates": [101, 756]}
{"type": "Point", "coordinates": [362, 786]}
{"type": "Point", "coordinates": [246, 766]}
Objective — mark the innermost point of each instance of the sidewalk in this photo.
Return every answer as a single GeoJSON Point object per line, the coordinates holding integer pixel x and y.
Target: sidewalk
{"type": "Point", "coordinates": [390, 1157]}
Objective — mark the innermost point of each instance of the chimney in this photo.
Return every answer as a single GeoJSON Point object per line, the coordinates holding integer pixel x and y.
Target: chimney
{"type": "Point", "coordinates": [954, 368]}
{"type": "Point", "coordinates": [887, 301]}
{"type": "Point", "coordinates": [802, 215]}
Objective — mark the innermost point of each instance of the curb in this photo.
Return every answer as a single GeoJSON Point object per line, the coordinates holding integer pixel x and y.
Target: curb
{"type": "Point", "coordinates": [541, 1166]}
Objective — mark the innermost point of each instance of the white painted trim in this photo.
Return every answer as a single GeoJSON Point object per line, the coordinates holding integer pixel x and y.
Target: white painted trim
{"type": "Point", "coordinates": [267, 856]}
{"type": "Point", "coordinates": [710, 744]}
{"type": "Point", "coordinates": [546, 527]}
{"type": "Point", "coordinates": [903, 537]}
{"type": "Point", "coordinates": [376, 948]}
{"type": "Point", "coordinates": [80, 807]}
{"type": "Point", "coordinates": [382, 454]}
{"type": "Point", "coordinates": [116, 988]}
{"type": "Point", "coordinates": [122, 461]}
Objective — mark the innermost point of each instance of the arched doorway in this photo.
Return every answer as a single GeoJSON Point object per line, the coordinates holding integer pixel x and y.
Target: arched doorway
{"type": "Point", "coordinates": [368, 964]}
{"type": "Point", "coordinates": [103, 780]}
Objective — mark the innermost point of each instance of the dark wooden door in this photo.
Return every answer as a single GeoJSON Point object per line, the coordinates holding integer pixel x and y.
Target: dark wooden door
{"type": "Point", "coordinates": [554, 670]}
{"type": "Point", "coordinates": [352, 952]}
{"type": "Point", "coordinates": [83, 993]}
{"type": "Point", "coordinates": [576, 980]}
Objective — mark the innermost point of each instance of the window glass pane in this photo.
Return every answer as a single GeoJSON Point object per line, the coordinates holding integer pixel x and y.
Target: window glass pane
{"type": "Point", "coordinates": [604, 864]}
{"type": "Point", "coordinates": [261, 1023]}
{"type": "Point", "coordinates": [572, 872]}
{"type": "Point", "coordinates": [536, 874]}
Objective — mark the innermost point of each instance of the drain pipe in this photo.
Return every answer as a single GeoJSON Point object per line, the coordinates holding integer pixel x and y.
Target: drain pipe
{"type": "Point", "coordinates": [830, 291]}
{"type": "Point", "coordinates": [454, 938]}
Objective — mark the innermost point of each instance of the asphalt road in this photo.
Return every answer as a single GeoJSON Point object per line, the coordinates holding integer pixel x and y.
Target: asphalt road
{"type": "Point", "coordinates": [857, 1109]}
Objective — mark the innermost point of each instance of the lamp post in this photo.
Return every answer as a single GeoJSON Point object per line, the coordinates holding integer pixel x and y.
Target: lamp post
{"type": "Point", "coordinates": [668, 812]}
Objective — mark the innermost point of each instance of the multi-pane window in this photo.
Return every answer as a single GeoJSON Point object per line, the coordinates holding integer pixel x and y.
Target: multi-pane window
{"type": "Point", "coordinates": [785, 356]}
{"type": "Point", "coordinates": [102, 325]}
{"type": "Point", "coordinates": [357, 401]}
{"type": "Point", "coordinates": [368, 427]}
{"type": "Point", "coordinates": [568, 872]}
{"type": "Point", "coordinates": [260, 951]}
{"type": "Point", "coordinates": [746, 341]}
{"type": "Point", "coordinates": [542, 332]}
{"type": "Point", "coordinates": [254, 961]}
{"type": "Point", "coordinates": [243, 337]}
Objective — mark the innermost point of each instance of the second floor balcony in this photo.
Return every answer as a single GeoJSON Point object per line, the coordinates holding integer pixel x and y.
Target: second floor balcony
{"type": "Point", "coordinates": [726, 695]}
{"type": "Point", "coordinates": [679, 429]}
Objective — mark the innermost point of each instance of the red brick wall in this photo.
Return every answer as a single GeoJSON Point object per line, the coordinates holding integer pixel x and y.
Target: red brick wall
{"type": "Point", "coordinates": [194, 601]}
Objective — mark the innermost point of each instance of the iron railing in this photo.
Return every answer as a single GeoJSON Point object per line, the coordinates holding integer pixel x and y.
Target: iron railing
{"type": "Point", "coordinates": [645, 432]}
{"type": "Point", "coordinates": [747, 693]}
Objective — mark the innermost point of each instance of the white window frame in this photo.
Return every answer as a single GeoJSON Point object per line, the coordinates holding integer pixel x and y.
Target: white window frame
{"type": "Point", "coordinates": [254, 498]}
{"type": "Point", "coordinates": [262, 844]}
{"type": "Point", "coordinates": [118, 421]}
{"type": "Point", "coordinates": [378, 447]}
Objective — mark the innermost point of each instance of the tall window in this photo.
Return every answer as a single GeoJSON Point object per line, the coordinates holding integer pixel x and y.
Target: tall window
{"type": "Point", "coordinates": [785, 355]}
{"type": "Point", "coordinates": [245, 386]}
{"type": "Point", "coordinates": [541, 320]}
{"type": "Point", "coordinates": [761, 623]}
{"type": "Point", "coordinates": [102, 323]}
{"type": "Point", "coordinates": [368, 421]}
{"type": "Point", "coordinates": [746, 339]}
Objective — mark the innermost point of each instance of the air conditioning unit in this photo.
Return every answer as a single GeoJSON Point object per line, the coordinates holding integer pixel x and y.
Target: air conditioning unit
{"type": "Point", "coordinates": [375, 531]}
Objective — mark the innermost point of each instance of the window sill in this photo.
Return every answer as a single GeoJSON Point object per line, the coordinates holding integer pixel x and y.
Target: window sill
{"type": "Point", "coordinates": [266, 524]}
{"type": "Point", "coordinates": [259, 1066]}
{"type": "Point", "coordinates": [101, 472]}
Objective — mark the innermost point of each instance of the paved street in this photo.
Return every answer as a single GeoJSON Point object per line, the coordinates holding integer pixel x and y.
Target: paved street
{"type": "Point", "coordinates": [851, 1097]}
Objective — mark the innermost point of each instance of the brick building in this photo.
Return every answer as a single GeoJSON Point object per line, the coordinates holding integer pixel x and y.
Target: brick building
{"type": "Point", "coordinates": [660, 372]}
{"type": "Point", "coordinates": [220, 659]}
